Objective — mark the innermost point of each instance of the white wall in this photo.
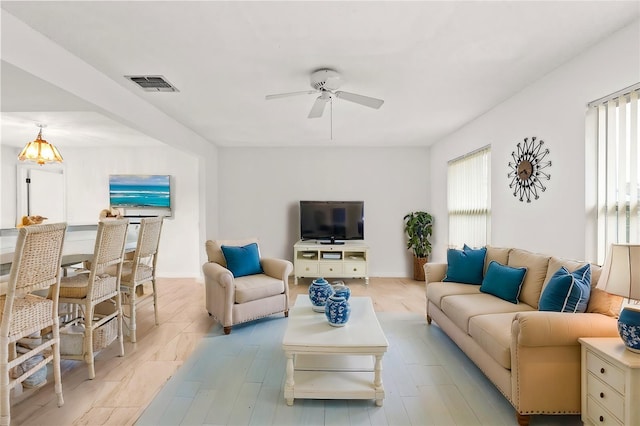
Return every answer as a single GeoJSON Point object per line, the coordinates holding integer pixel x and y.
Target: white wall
{"type": "Point", "coordinates": [552, 109]}
{"type": "Point", "coordinates": [260, 190]}
{"type": "Point", "coordinates": [87, 173]}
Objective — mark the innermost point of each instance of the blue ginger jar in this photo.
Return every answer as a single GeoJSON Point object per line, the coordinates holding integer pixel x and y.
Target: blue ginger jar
{"type": "Point", "coordinates": [337, 310]}
{"type": "Point", "coordinates": [340, 289]}
{"type": "Point", "coordinates": [629, 328]}
{"type": "Point", "coordinates": [319, 292]}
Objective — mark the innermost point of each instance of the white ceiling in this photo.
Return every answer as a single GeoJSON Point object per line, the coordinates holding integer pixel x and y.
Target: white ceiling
{"type": "Point", "coordinates": [437, 65]}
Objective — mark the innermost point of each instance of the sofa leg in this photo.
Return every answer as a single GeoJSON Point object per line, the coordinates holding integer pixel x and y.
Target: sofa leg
{"type": "Point", "coordinates": [286, 313]}
{"type": "Point", "coordinates": [428, 320]}
{"type": "Point", "coordinates": [523, 419]}
{"type": "Point", "coordinates": [227, 330]}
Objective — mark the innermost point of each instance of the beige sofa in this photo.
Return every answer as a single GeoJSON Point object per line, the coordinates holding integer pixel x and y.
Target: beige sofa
{"type": "Point", "coordinates": [532, 357]}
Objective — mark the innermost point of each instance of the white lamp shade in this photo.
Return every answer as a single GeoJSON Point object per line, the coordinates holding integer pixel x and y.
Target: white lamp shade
{"type": "Point", "coordinates": [621, 271]}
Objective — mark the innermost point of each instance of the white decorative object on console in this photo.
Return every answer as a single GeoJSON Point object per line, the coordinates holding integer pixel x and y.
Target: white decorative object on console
{"type": "Point", "coordinates": [348, 260]}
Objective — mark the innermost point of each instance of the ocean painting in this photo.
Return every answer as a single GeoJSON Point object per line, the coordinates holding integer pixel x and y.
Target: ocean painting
{"type": "Point", "coordinates": [139, 191]}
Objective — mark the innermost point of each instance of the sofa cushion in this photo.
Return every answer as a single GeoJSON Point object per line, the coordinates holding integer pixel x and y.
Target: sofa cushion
{"type": "Point", "coordinates": [536, 265]}
{"type": "Point", "coordinates": [244, 260]}
{"type": "Point", "coordinates": [567, 291]}
{"type": "Point", "coordinates": [503, 281]}
{"type": "Point", "coordinates": [254, 287]}
{"type": "Point", "coordinates": [600, 302]}
{"type": "Point", "coordinates": [461, 308]}
{"type": "Point", "coordinates": [493, 333]}
{"type": "Point", "coordinates": [556, 263]}
{"type": "Point", "coordinates": [465, 266]}
{"type": "Point", "coordinates": [499, 254]}
{"type": "Point", "coordinates": [436, 291]}
{"type": "Point", "coordinates": [214, 248]}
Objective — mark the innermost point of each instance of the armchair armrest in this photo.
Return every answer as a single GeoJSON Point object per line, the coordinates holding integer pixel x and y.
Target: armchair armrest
{"type": "Point", "coordinates": [219, 292]}
{"type": "Point", "coordinates": [434, 272]}
{"type": "Point", "coordinates": [218, 274]}
{"type": "Point", "coordinates": [277, 268]}
{"type": "Point", "coordinates": [539, 328]}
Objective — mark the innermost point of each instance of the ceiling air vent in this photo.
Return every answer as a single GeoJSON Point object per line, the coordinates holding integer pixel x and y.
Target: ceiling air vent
{"type": "Point", "coordinates": [152, 83]}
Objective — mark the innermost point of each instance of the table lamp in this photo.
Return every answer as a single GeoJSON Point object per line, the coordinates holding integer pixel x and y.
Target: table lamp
{"type": "Point", "coordinates": [621, 276]}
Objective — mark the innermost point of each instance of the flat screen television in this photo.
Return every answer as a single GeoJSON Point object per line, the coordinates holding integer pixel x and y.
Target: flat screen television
{"type": "Point", "coordinates": [140, 191]}
{"type": "Point", "coordinates": [332, 221]}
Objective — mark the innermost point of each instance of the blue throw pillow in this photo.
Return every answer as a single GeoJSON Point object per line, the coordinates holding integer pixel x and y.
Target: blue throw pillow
{"type": "Point", "coordinates": [567, 292]}
{"type": "Point", "coordinates": [503, 281]}
{"type": "Point", "coordinates": [466, 265]}
{"type": "Point", "coordinates": [243, 260]}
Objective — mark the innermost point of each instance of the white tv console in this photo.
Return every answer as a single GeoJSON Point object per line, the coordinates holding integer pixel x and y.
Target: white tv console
{"type": "Point", "coordinates": [312, 260]}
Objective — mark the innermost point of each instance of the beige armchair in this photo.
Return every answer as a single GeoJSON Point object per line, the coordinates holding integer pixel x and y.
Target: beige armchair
{"type": "Point", "coordinates": [235, 300]}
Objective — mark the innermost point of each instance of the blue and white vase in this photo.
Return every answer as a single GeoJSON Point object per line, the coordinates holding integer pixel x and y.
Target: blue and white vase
{"type": "Point", "coordinates": [340, 289]}
{"type": "Point", "coordinates": [337, 310]}
{"type": "Point", "coordinates": [629, 328]}
{"type": "Point", "coordinates": [319, 291]}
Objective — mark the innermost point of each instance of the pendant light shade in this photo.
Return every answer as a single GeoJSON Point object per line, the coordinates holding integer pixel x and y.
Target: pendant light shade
{"type": "Point", "coordinates": [40, 151]}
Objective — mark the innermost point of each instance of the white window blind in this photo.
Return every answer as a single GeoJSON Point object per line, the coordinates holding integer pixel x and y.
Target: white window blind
{"type": "Point", "coordinates": [617, 123]}
{"type": "Point", "coordinates": [469, 199]}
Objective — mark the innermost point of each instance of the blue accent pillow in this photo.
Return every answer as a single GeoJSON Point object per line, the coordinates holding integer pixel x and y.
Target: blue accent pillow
{"type": "Point", "coordinates": [243, 260]}
{"type": "Point", "coordinates": [503, 281]}
{"type": "Point", "coordinates": [567, 292]}
{"type": "Point", "coordinates": [466, 265]}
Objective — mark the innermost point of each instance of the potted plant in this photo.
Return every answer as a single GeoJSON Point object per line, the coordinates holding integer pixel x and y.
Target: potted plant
{"type": "Point", "coordinates": [419, 226]}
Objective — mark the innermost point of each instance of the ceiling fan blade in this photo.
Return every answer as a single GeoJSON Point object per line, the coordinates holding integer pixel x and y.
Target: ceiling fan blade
{"type": "Point", "coordinates": [360, 99]}
{"type": "Point", "coordinates": [318, 107]}
{"type": "Point", "coordinates": [286, 95]}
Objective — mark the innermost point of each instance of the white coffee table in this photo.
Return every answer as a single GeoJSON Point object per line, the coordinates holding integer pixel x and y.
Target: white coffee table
{"type": "Point", "coordinates": [325, 362]}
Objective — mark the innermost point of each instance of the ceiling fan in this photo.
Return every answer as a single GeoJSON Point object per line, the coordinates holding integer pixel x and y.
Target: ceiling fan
{"type": "Point", "coordinates": [326, 82]}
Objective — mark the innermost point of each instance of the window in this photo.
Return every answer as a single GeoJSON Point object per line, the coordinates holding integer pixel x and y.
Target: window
{"type": "Point", "coordinates": [614, 123]}
{"type": "Point", "coordinates": [469, 199]}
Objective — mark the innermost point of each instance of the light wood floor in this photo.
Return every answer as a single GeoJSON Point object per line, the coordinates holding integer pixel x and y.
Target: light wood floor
{"type": "Point", "coordinates": [124, 386]}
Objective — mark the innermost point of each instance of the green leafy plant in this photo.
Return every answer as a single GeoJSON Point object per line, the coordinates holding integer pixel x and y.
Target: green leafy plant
{"type": "Point", "coordinates": [419, 226]}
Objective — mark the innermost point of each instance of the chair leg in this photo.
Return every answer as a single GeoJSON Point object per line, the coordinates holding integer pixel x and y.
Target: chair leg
{"type": "Point", "coordinates": [88, 340]}
{"type": "Point", "coordinates": [155, 301]}
{"type": "Point", "coordinates": [286, 313]}
{"type": "Point", "coordinates": [57, 377]}
{"type": "Point", "coordinates": [119, 319]}
{"type": "Point", "coordinates": [227, 330]}
{"type": "Point", "coordinates": [5, 403]}
{"type": "Point", "coordinates": [132, 315]}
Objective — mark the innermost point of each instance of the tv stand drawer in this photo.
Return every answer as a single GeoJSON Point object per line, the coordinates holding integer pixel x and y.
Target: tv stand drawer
{"type": "Point", "coordinates": [306, 269]}
{"type": "Point", "coordinates": [331, 268]}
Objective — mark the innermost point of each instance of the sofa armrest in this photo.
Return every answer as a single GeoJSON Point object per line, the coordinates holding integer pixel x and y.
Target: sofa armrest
{"type": "Point", "coordinates": [277, 268]}
{"type": "Point", "coordinates": [545, 359]}
{"type": "Point", "coordinates": [434, 272]}
{"type": "Point", "coordinates": [540, 328]}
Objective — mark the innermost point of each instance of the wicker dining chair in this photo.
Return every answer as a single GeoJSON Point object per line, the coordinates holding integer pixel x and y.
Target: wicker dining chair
{"type": "Point", "coordinates": [35, 266]}
{"type": "Point", "coordinates": [96, 293]}
{"type": "Point", "coordinates": [140, 269]}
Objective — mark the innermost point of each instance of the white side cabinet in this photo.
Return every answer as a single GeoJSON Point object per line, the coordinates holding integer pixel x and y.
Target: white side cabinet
{"type": "Point", "coordinates": [610, 382]}
{"type": "Point", "coordinates": [348, 260]}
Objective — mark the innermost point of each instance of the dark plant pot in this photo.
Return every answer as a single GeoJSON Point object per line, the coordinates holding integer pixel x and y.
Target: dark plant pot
{"type": "Point", "coordinates": [418, 267]}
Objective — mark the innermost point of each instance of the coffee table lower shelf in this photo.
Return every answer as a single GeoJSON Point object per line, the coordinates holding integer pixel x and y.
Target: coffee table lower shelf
{"type": "Point", "coordinates": [333, 385]}
{"type": "Point", "coordinates": [331, 376]}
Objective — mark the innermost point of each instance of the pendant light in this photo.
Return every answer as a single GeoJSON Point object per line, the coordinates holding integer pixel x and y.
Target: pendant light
{"type": "Point", "coordinates": [40, 151]}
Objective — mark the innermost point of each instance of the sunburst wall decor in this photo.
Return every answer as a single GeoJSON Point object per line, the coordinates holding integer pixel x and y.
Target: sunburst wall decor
{"type": "Point", "coordinates": [526, 169]}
